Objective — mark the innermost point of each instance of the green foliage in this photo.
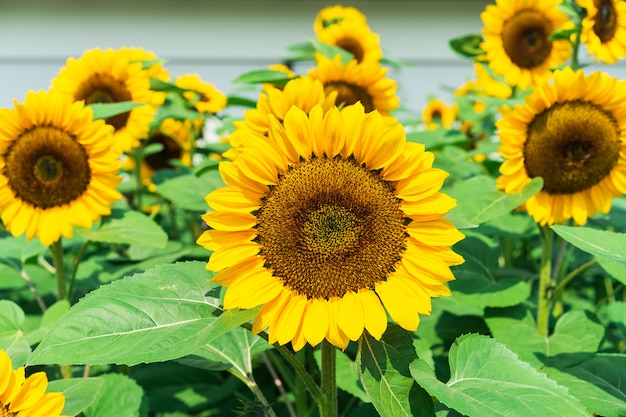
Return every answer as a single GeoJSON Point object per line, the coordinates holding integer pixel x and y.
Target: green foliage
{"type": "Point", "coordinates": [106, 110]}
{"type": "Point", "coordinates": [489, 379]}
{"type": "Point", "coordinates": [468, 46]}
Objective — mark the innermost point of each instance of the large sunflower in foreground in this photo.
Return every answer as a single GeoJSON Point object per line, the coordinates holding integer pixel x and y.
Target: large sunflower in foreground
{"type": "Point", "coordinates": [365, 82]}
{"type": "Point", "coordinates": [333, 15]}
{"type": "Point", "coordinates": [26, 397]}
{"type": "Point", "coordinates": [516, 41]}
{"type": "Point", "coordinates": [107, 76]}
{"type": "Point", "coordinates": [356, 38]}
{"type": "Point", "coordinates": [572, 133]}
{"type": "Point", "coordinates": [604, 29]}
{"type": "Point", "coordinates": [328, 222]}
{"type": "Point", "coordinates": [56, 167]}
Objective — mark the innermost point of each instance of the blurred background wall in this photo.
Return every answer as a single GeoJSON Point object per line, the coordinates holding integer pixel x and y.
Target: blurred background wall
{"type": "Point", "coordinates": [220, 39]}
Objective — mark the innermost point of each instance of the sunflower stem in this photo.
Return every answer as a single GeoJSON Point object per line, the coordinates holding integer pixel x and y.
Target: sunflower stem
{"type": "Point", "coordinates": [545, 280]}
{"type": "Point", "coordinates": [76, 263]}
{"type": "Point", "coordinates": [329, 380]}
{"type": "Point", "coordinates": [300, 389]}
{"type": "Point", "coordinates": [56, 249]}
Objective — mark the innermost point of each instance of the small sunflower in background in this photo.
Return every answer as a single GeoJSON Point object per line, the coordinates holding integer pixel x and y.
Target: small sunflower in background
{"type": "Point", "coordinates": [176, 137]}
{"type": "Point", "coordinates": [516, 40]}
{"type": "Point", "coordinates": [58, 169]}
{"type": "Point", "coordinates": [303, 92]}
{"type": "Point", "coordinates": [572, 133]}
{"type": "Point", "coordinates": [328, 223]}
{"type": "Point", "coordinates": [153, 67]}
{"type": "Point", "coordinates": [354, 37]}
{"type": "Point", "coordinates": [484, 85]}
{"type": "Point", "coordinates": [437, 114]}
{"type": "Point", "coordinates": [204, 97]}
{"type": "Point", "coordinates": [604, 29]}
{"type": "Point", "coordinates": [107, 76]}
{"type": "Point", "coordinates": [353, 82]}
{"type": "Point", "coordinates": [26, 397]}
{"type": "Point", "coordinates": [332, 15]}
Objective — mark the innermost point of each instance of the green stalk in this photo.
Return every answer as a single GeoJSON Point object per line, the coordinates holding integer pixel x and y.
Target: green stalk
{"type": "Point", "coordinates": [76, 262]}
{"type": "Point", "coordinates": [329, 380]}
{"type": "Point", "coordinates": [561, 286]}
{"type": "Point", "coordinates": [545, 280]}
{"type": "Point", "coordinates": [59, 267]}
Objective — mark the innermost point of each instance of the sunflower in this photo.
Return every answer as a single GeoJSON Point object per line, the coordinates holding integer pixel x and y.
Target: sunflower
{"type": "Point", "coordinates": [107, 76]}
{"type": "Point", "coordinates": [572, 133]}
{"type": "Point", "coordinates": [354, 37]}
{"type": "Point", "coordinates": [354, 82]}
{"type": "Point", "coordinates": [153, 67]}
{"type": "Point", "coordinates": [332, 15]}
{"type": "Point", "coordinates": [26, 397]}
{"type": "Point", "coordinates": [328, 221]}
{"type": "Point", "coordinates": [56, 167]}
{"type": "Point", "coordinates": [604, 29]}
{"type": "Point", "coordinates": [204, 96]}
{"type": "Point", "coordinates": [303, 92]}
{"type": "Point", "coordinates": [516, 40]}
{"type": "Point", "coordinates": [437, 113]}
{"type": "Point", "coordinates": [176, 138]}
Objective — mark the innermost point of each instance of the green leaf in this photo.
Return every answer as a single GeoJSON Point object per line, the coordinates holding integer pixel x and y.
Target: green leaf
{"type": "Point", "coordinates": [164, 313]}
{"type": "Point", "coordinates": [160, 85]}
{"type": "Point", "coordinates": [616, 270]}
{"type": "Point", "coordinates": [301, 52]}
{"type": "Point", "coordinates": [562, 34]}
{"type": "Point", "coordinates": [240, 101]}
{"type": "Point", "coordinates": [487, 379]}
{"type": "Point", "coordinates": [79, 393]}
{"type": "Point", "coordinates": [478, 289]}
{"type": "Point", "coordinates": [235, 348]}
{"type": "Point", "coordinates": [467, 46]}
{"type": "Point", "coordinates": [597, 382]}
{"type": "Point", "coordinates": [188, 191]}
{"type": "Point", "coordinates": [384, 370]}
{"type": "Point", "coordinates": [600, 243]}
{"type": "Point", "coordinates": [127, 226]}
{"type": "Point", "coordinates": [278, 78]}
{"type": "Point", "coordinates": [50, 316]}
{"type": "Point", "coordinates": [576, 332]}
{"type": "Point", "coordinates": [478, 201]}
{"type": "Point", "coordinates": [330, 51]}
{"type": "Point", "coordinates": [119, 396]}
{"type": "Point", "coordinates": [434, 139]}
{"type": "Point", "coordinates": [106, 110]}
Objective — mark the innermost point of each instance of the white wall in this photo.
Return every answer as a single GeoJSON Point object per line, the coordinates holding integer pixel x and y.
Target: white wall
{"type": "Point", "coordinates": [221, 39]}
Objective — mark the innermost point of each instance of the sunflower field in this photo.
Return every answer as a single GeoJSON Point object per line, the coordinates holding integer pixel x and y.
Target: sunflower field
{"type": "Point", "coordinates": [330, 252]}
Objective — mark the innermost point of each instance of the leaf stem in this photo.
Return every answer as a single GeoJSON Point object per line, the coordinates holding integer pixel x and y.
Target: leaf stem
{"type": "Point", "coordinates": [329, 380]}
{"type": "Point", "coordinates": [56, 249]}
{"type": "Point", "coordinates": [76, 262]}
{"type": "Point", "coordinates": [279, 385]}
{"type": "Point", "coordinates": [561, 286]}
{"type": "Point", "coordinates": [545, 280]}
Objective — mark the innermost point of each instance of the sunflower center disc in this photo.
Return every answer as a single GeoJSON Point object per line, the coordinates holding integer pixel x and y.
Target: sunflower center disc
{"type": "Point", "coordinates": [171, 150]}
{"type": "Point", "coordinates": [102, 88]}
{"type": "Point", "coordinates": [331, 226]}
{"type": "Point", "coordinates": [525, 38]}
{"type": "Point", "coordinates": [47, 167]}
{"type": "Point", "coordinates": [573, 145]}
{"type": "Point", "coordinates": [352, 46]}
{"type": "Point", "coordinates": [348, 94]}
{"type": "Point", "coordinates": [605, 23]}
